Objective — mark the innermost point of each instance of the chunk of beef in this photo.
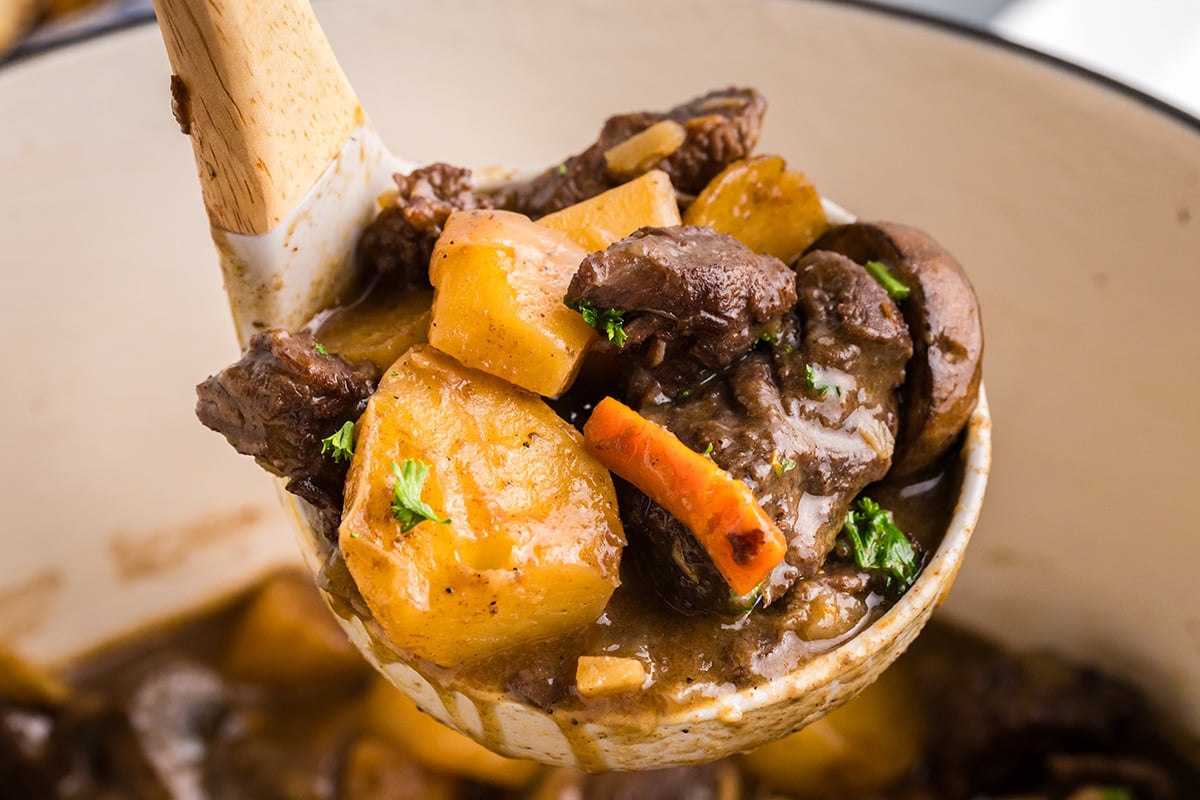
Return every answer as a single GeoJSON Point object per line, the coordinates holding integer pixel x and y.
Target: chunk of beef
{"type": "Point", "coordinates": [721, 127]}
{"type": "Point", "coordinates": [943, 317]}
{"type": "Point", "coordinates": [398, 243]}
{"type": "Point", "coordinates": [277, 403]}
{"type": "Point", "coordinates": [806, 425]}
{"type": "Point", "coordinates": [687, 292]}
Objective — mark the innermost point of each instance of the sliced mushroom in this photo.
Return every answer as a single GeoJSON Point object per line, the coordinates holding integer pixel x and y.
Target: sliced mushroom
{"type": "Point", "coordinates": [943, 317]}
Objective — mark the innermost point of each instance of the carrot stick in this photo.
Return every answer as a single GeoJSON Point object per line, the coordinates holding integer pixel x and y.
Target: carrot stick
{"type": "Point", "coordinates": [721, 512]}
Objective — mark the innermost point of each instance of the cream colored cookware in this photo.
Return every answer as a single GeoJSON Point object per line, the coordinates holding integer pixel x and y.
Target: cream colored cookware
{"type": "Point", "coordinates": [1072, 204]}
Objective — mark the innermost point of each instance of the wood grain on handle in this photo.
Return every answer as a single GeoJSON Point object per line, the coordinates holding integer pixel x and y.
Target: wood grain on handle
{"type": "Point", "coordinates": [265, 103]}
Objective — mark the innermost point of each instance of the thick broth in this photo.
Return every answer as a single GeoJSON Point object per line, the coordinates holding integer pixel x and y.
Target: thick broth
{"type": "Point", "coordinates": [684, 655]}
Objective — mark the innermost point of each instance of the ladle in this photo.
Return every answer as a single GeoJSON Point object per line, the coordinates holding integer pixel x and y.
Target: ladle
{"type": "Point", "coordinates": [290, 169]}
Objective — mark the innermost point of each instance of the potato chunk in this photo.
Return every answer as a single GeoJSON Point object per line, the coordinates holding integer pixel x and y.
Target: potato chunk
{"type": "Point", "coordinates": [23, 682]}
{"type": "Point", "coordinates": [534, 541]}
{"type": "Point", "coordinates": [600, 675]}
{"type": "Point", "coordinates": [857, 750]}
{"type": "Point", "coordinates": [380, 327]}
{"type": "Point", "coordinates": [762, 204]}
{"type": "Point", "coordinates": [499, 282]}
{"type": "Point", "coordinates": [643, 150]}
{"type": "Point", "coordinates": [599, 221]}
{"type": "Point", "coordinates": [287, 638]}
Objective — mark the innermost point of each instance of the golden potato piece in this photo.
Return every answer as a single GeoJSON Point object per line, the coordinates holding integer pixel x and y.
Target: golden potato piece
{"type": "Point", "coordinates": [380, 328]}
{"type": "Point", "coordinates": [391, 715]}
{"type": "Point", "coordinates": [499, 282]}
{"type": "Point", "coordinates": [16, 18]}
{"type": "Point", "coordinates": [599, 221]}
{"type": "Point", "coordinates": [599, 675]}
{"type": "Point", "coordinates": [23, 682]}
{"type": "Point", "coordinates": [762, 204]}
{"type": "Point", "coordinates": [287, 637]}
{"type": "Point", "coordinates": [643, 150]}
{"type": "Point", "coordinates": [854, 751]}
{"type": "Point", "coordinates": [534, 541]}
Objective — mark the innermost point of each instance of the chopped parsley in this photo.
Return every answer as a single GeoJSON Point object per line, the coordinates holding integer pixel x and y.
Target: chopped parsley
{"type": "Point", "coordinates": [708, 450]}
{"type": "Point", "coordinates": [782, 465]}
{"type": "Point", "coordinates": [407, 506]}
{"type": "Point", "coordinates": [813, 381]}
{"type": "Point", "coordinates": [768, 338]}
{"type": "Point", "coordinates": [341, 443]}
{"type": "Point", "coordinates": [609, 320]}
{"type": "Point", "coordinates": [877, 543]}
{"type": "Point", "coordinates": [895, 289]}
{"type": "Point", "coordinates": [561, 169]}
{"type": "Point", "coordinates": [320, 348]}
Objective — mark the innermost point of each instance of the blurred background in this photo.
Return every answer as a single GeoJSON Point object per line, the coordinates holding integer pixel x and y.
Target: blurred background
{"type": "Point", "coordinates": [1152, 45]}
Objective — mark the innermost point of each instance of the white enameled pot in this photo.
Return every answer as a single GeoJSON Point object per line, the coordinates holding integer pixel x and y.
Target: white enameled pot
{"type": "Point", "coordinates": [1075, 206]}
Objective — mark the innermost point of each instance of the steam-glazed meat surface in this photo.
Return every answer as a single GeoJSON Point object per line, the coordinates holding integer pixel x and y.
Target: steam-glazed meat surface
{"type": "Point", "coordinates": [805, 423]}
{"type": "Point", "coordinates": [688, 286]}
{"type": "Point", "coordinates": [398, 243]}
{"type": "Point", "coordinates": [279, 401]}
{"type": "Point", "coordinates": [721, 127]}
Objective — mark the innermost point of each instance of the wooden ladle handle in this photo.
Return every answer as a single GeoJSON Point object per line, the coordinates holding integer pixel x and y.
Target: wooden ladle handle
{"type": "Point", "coordinates": [258, 89]}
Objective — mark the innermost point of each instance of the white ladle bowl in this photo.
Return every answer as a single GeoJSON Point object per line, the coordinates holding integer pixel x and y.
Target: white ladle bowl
{"type": "Point", "coordinates": [290, 169]}
{"type": "Point", "coordinates": [706, 728]}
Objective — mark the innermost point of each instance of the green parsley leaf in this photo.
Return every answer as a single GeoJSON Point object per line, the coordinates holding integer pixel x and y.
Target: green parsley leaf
{"type": "Point", "coordinates": [610, 320]}
{"type": "Point", "coordinates": [320, 348]}
{"type": "Point", "coordinates": [813, 381]}
{"type": "Point", "coordinates": [708, 450]}
{"type": "Point", "coordinates": [783, 465]}
{"type": "Point", "coordinates": [768, 338]}
{"type": "Point", "coordinates": [895, 289]}
{"type": "Point", "coordinates": [878, 544]}
{"type": "Point", "coordinates": [561, 169]}
{"type": "Point", "coordinates": [341, 443]}
{"type": "Point", "coordinates": [407, 506]}
{"type": "Point", "coordinates": [810, 379]}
